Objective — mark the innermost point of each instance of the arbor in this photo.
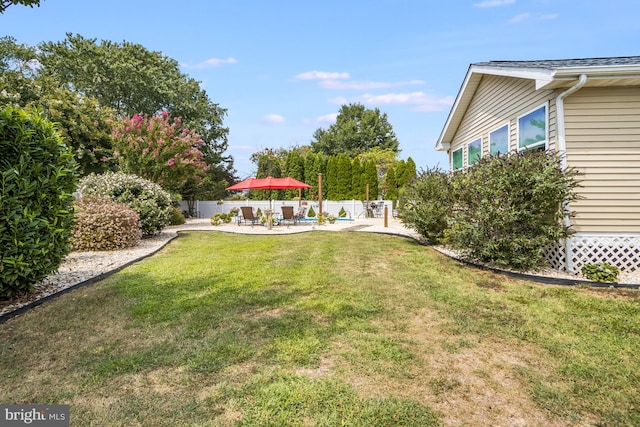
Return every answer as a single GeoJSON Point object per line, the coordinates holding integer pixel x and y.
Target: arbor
{"type": "Point", "coordinates": [357, 130]}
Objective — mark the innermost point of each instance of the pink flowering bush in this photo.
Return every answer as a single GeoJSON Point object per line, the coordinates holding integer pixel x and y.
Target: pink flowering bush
{"type": "Point", "coordinates": [159, 149]}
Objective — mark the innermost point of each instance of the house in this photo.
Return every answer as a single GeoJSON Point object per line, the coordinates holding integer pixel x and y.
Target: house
{"type": "Point", "coordinates": [588, 110]}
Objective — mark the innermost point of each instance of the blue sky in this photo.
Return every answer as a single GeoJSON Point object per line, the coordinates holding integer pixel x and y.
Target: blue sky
{"type": "Point", "coordinates": [282, 69]}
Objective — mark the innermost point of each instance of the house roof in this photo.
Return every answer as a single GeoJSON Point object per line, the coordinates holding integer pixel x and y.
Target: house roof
{"type": "Point", "coordinates": [547, 74]}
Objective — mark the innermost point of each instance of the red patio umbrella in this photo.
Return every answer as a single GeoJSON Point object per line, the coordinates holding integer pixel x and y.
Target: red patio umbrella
{"type": "Point", "coordinates": [268, 183]}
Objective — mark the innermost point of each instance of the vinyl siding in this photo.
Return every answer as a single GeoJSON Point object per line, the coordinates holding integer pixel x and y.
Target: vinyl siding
{"type": "Point", "coordinates": [603, 143]}
{"type": "Point", "coordinates": [498, 101]}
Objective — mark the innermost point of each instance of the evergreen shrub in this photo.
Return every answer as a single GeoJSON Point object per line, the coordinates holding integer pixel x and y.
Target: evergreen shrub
{"type": "Point", "coordinates": [342, 213]}
{"type": "Point", "coordinates": [152, 203]}
{"type": "Point", "coordinates": [311, 213]}
{"type": "Point", "coordinates": [177, 217]}
{"type": "Point", "coordinates": [38, 175]}
{"type": "Point", "coordinates": [104, 225]}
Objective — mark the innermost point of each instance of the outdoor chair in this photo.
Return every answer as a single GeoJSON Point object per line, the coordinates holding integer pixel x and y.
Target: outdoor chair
{"type": "Point", "coordinates": [300, 215]}
{"type": "Point", "coordinates": [288, 215]}
{"type": "Point", "coordinates": [249, 215]}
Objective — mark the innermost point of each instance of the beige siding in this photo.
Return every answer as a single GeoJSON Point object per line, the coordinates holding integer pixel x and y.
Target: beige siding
{"type": "Point", "coordinates": [497, 101]}
{"type": "Point", "coordinates": [603, 143]}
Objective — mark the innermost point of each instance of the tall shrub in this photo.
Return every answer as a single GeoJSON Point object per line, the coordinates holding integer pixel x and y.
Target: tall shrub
{"type": "Point", "coordinates": [509, 208]}
{"type": "Point", "coordinates": [426, 205]}
{"type": "Point", "coordinates": [38, 175]}
{"type": "Point", "coordinates": [152, 203]}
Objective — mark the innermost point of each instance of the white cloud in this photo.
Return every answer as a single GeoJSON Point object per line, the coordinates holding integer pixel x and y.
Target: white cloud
{"type": "Point", "coordinates": [419, 100]}
{"type": "Point", "coordinates": [321, 120]}
{"type": "Point", "coordinates": [334, 84]}
{"type": "Point", "coordinates": [212, 63]}
{"type": "Point", "coordinates": [494, 3]}
{"type": "Point", "coordinates": [548, 17]}
{"type": "Point", "coordinates": [538, 16]}
{"type": "Point", "coordinates": [273, 118]}
{"type": "Point", "coordinates": [519, 18]}
{"type": "Point", "coordinates": [321, 75]}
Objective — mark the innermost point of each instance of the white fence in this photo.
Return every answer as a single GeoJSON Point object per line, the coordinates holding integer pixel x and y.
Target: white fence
{"type": "Point", "coordinates": [354, 208]}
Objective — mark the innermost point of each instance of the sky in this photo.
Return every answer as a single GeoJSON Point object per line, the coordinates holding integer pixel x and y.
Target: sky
{"type": "Point", "coordinates": [282, 69]}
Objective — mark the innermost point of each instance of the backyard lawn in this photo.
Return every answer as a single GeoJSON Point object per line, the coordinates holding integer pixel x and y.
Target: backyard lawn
{"type": "Point", "coordinates": [325, 329]}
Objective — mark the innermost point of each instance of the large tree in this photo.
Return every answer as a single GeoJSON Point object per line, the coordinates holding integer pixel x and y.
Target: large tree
{"type": "Point", "coordinates": [357, 130]}
{"type": "Point", "coordinates": [133, 80]}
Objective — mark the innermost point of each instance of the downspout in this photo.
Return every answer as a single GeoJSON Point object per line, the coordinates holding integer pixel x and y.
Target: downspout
{"type": "Point", "coordinates": [562, 150]}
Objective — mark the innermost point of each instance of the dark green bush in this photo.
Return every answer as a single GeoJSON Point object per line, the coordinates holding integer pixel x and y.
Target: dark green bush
{"type": "Point", "coordinates": [509, 208]}
{"type": "Point", "coordinates": [104, 225]}
{"type": "Point", "coordinates": [152, 203]}
{"type": "Point", "coordinates": [37, 178]}
{"type": "Point", "coordinates": [601, 272]}
{"type": "Point", "coordinates": [426, 205]}
{"type": "Point", "coordinates": [177, 217]}
{"type": "Point", "coordinates": [342, 213]}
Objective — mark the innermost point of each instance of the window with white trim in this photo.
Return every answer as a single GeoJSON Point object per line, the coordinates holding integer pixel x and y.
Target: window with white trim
{"type": "Point", "coordinates": [474, 151]}
{"type": "Point", "coordinates": [456, 159]}
{"type": "Point", "coordinates": [533, 129]}
{"type": "Point", "coordinates": [499, 141]}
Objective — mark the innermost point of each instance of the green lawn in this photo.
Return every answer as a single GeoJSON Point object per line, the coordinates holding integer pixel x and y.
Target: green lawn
{"type": "Point", "coordinates": [325, 329]}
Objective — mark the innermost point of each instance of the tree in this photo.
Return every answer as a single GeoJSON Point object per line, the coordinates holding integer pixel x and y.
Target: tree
{"type": "Point", "coordinates": [4, 4]}
{"type": "Point", "coordinates": [391, 185]}
{"type": "Point", "coordinates": [159, 149]}
{"type": "Point", "coordinates": [133, 80]}
{"type": "Point", "coordinates": [343, 178]}
{"type": "Point", "coordinates": [370, 176]}
{"type": "Point", "coordinates": [357, 130]}
{"type": "Point", "coordinates": [356, 180]}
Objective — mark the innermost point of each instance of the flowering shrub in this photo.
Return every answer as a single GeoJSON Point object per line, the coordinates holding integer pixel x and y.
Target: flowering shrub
{"type": "Point", "coordinates": [103, 225]}
{"type": "Point", "coordinates": [159, 149]}
{"type": "Point", "coordinates": [152, 203]}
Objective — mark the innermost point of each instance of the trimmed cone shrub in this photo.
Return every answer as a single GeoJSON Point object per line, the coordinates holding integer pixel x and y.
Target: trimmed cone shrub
{"type": "Point", "coordinates": [152, 203]}
{"type": "Point", "coordinates": [37, 179]}
{"type": "Point", "coordinates": [104, 225]}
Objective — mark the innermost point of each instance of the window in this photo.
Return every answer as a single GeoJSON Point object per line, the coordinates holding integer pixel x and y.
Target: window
{"type": "Point", "coordinates": [474, 151]}
{"type": "Point", "coordinates": [456, 158]}
{"type": "Point", "coordinates": [499, 141]}
{"type": "Point", "coordinates": [532, 129]}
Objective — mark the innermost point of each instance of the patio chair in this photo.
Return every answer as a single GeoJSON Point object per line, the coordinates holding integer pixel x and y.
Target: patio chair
{"type": "Point", "coordinates": [288, 215]}
{"type": "Point", "coordinates": [249, 215]}
{"type": "Point", "coordinates": [300, 215]}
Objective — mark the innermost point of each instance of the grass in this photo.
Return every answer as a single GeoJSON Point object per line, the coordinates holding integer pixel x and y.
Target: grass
{"type": "Point", "coordinates": [325, 329]}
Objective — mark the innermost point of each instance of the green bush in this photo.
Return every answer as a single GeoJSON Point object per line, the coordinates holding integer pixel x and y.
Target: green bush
{"type": "Point", "coordinates": [509, 208]}
{"type": "Point", "coordinates": [152, 203]}
{"type": "Point", "coordinates": [342, 213]}
{"type": "Point", "coordinates": [601, 272]}
{"type": "Point", "coordinates": [104, 225]}
{"type": "Point", "coordinates": [219, 218]}
{"type": "Point", "coordinates": [177, 217]}
{"type": "Point", "coordinates": [311, 213]}
{"type": "Point", "coordinates": [37, 178]}
{"type": "Point", "coordinates": [426, 205]}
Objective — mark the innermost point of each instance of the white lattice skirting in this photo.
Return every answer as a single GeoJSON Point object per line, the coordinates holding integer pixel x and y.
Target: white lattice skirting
{"type": "Point", "coordinates": [623, 251]}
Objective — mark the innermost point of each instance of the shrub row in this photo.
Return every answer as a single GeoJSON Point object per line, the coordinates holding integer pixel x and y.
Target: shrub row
{"type": "Point", "coordinates": [505, 210]}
